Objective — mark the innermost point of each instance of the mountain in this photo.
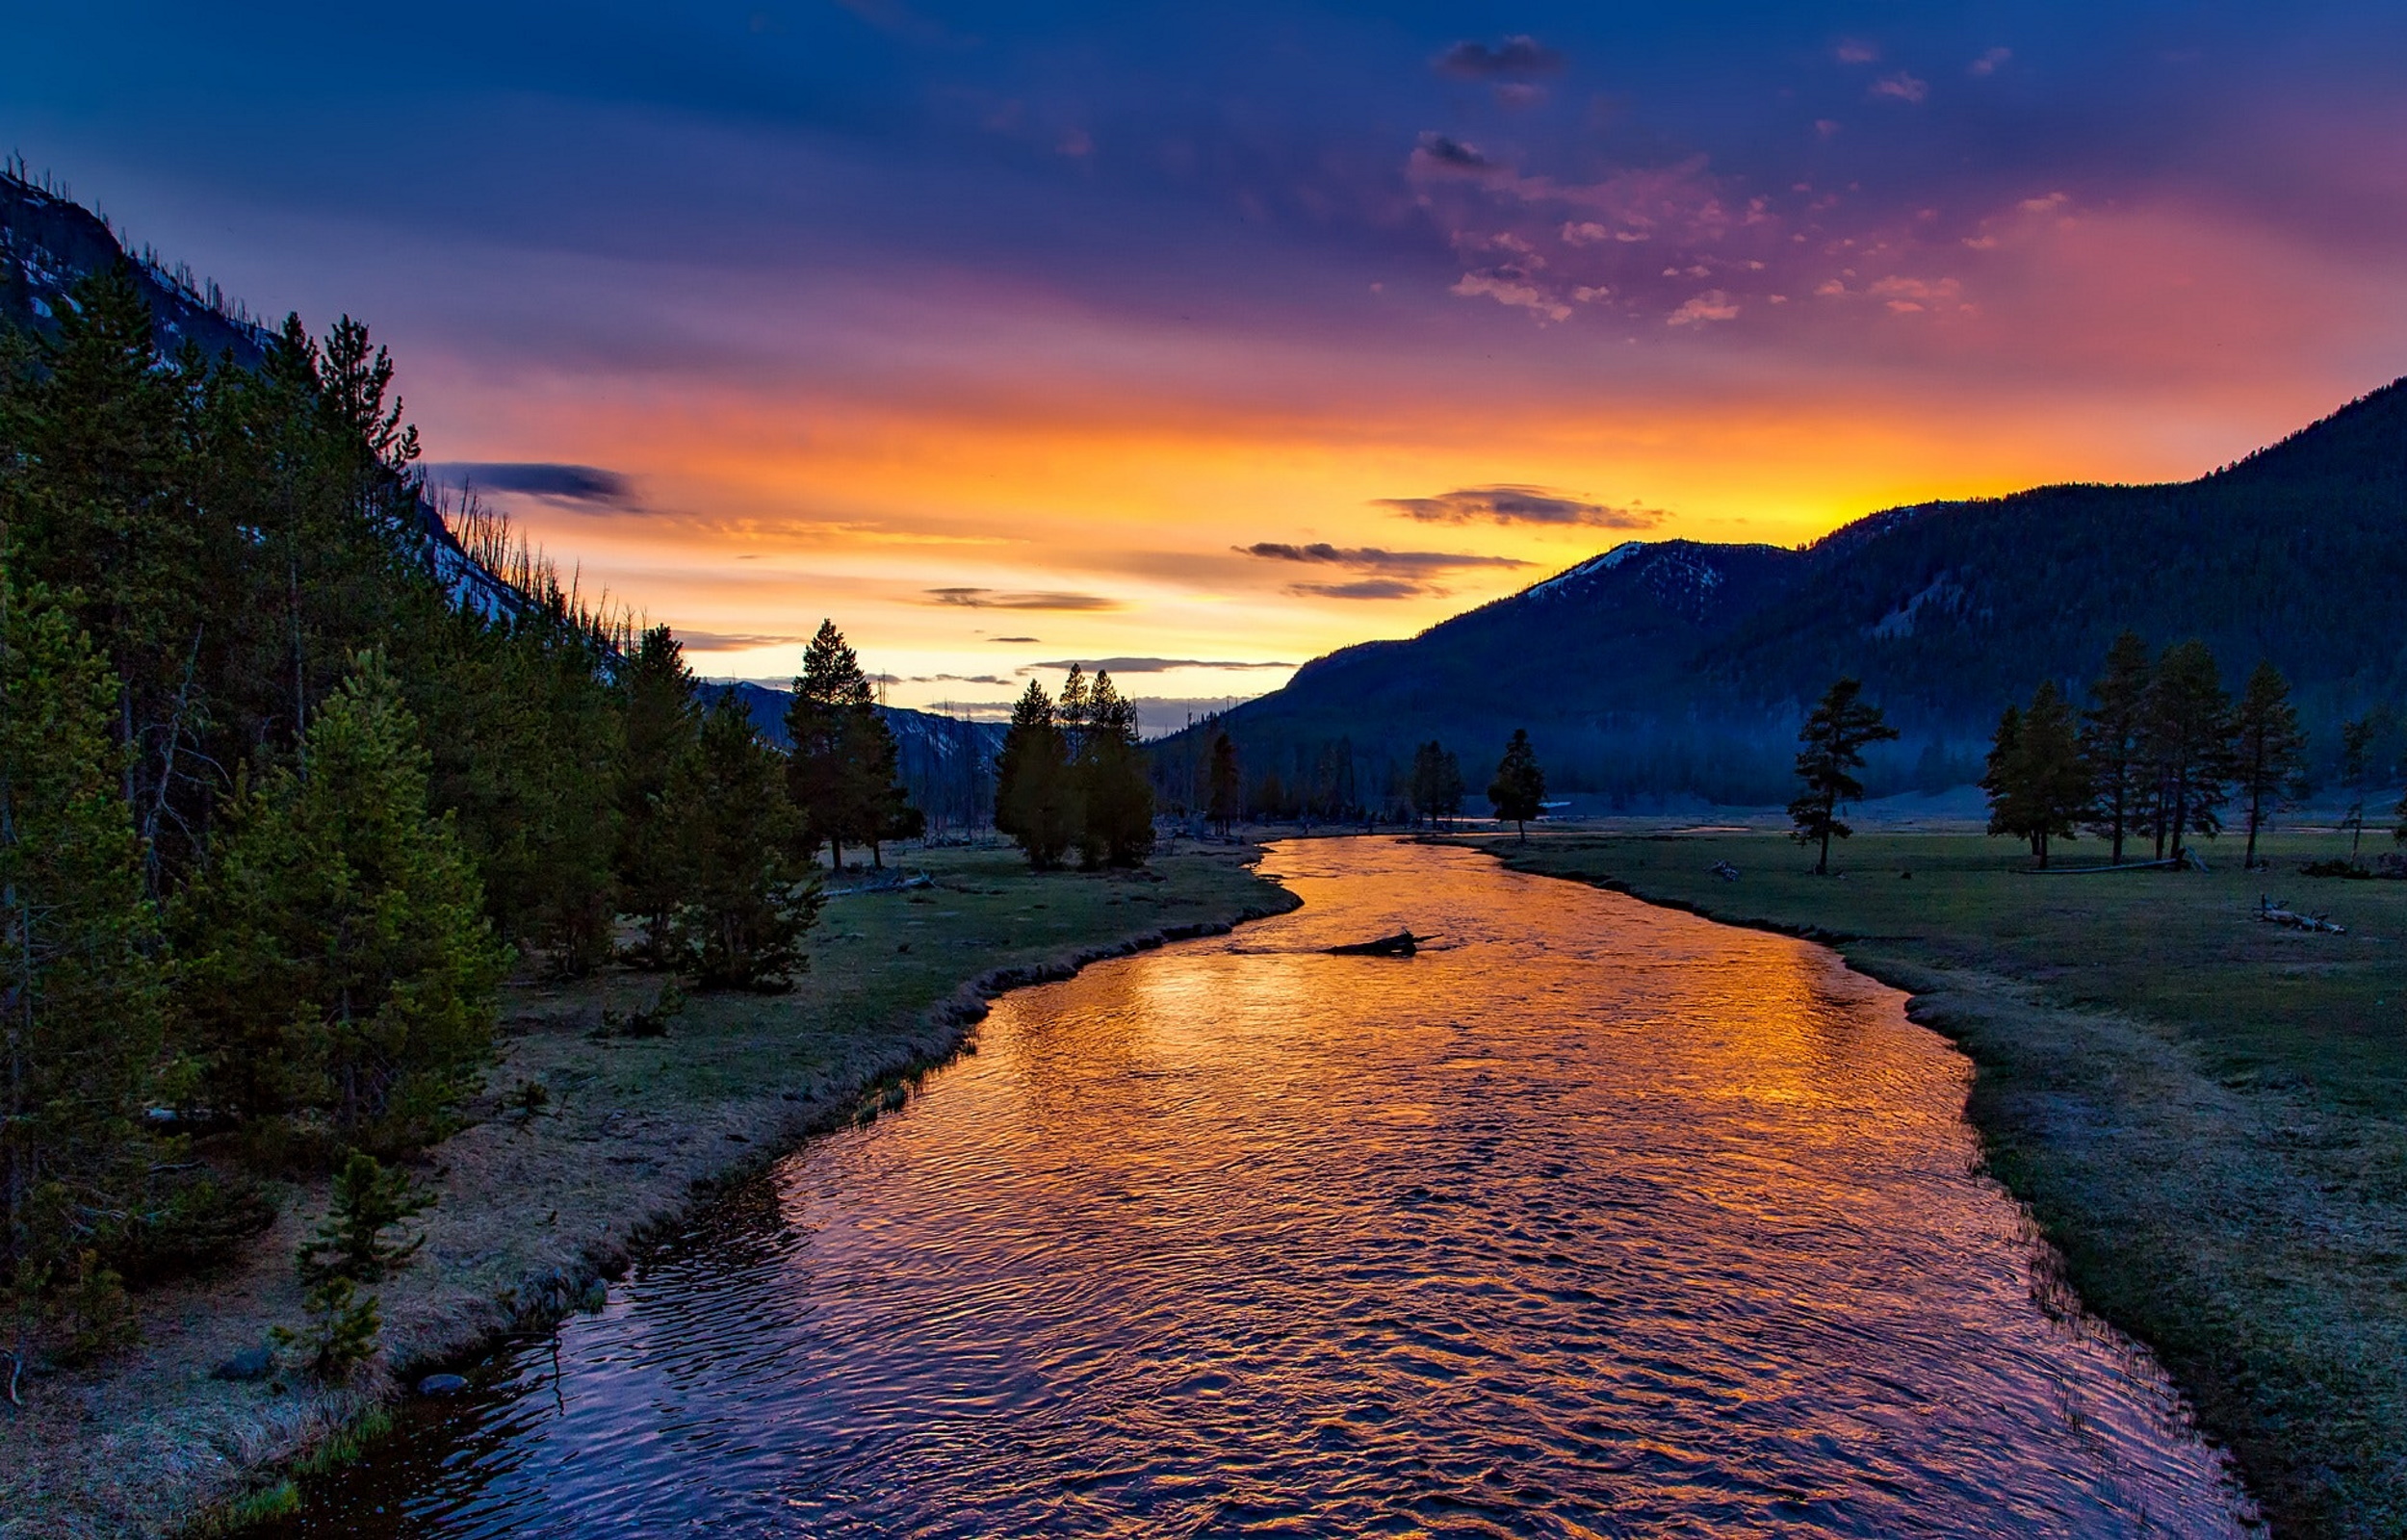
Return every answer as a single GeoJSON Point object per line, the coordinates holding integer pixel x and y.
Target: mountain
{"type": "Point", "coordinates": [48, 242]}
{"type": "Point", "coordinates": [1678, 668]}
{"type": "Point", "coordinates": [946, 763]}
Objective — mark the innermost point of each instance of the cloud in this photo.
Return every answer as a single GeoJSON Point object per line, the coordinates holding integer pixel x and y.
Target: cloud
{"type": "Point", "coordinates": [1520, 292]}
{"type": "Point", "coordinates": [1519, 505]}
{"type": "Point", "coordinates": [1901, 86]}
{"type": "Point", "coordinates": [1370, 558]}
{"type": "Point", "coordinates": [994, 599]}
{"type": "Point", "coordinates": [732, 641]}
{"type": "Point", "coordinates": [1856, 51]}
{"type": "Point", "coordinates": [1363, 588]}
{"type": "Point", "coordinates": [1443, 155]}
{"type": "Point", "coordinates": [1148, 665]}
{"type": "Point", "coordinates": [1990, 62]}
{"type": "Point", "coordinates": [1023, 639]}
{"type": "Point", "coordinates": [539, 478]}
{"type": "Point", "coordinates": [1517, 57]}
{"type": "Point", "coordinates": [1710, 305]}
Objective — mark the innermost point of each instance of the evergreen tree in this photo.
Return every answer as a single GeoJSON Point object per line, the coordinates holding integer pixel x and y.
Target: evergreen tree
{"type": "Point", "coordinates": [663, 728]}
{"type": "Point", "coordinates": [1114, 794]}
{"type": "Point", "coordinates": [2002, 776]}
{"type": "Point", "coordinates": [2188, 743]}
{"type": "Point", "coordinates": [754, 893]}
{"type": "Point", "coordinates": [1838, 729]}
{"type": "Point", "coordinates": [2355, 744]}
{"type": "Point", "coordinates": [78, 985]}
{"type": "Point", "coordinates": [2112, 737]}
{"type": "Point", "coordinates": [98, 500]}
{"type": "Point", "coordinates": [1428, 762]}
{"type": "Point", "coordinates": [2268, 750]}
{"type": "Point", "coordinates": [338, 960]}
{"type": "Point", "coordinates": [1032, 795]}
{"type": "Point", "coordinates": [1226, 786]}
{"type": "Point", "coordinates": [1520, 785]}
{"type": "Point", "coordinates": [2038, 783]}
{"type": "Point", "coordinates": [842, 773]}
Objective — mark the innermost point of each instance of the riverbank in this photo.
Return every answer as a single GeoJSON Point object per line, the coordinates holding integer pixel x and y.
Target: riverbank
{"type": "Point", "coordinates": [628, 1130]}
{"type": "Point", "coordinates": [2204, 1113]}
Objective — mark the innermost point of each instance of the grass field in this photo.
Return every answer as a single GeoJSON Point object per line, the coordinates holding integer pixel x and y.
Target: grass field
{"type": "Point", "coordinates": [542, 1192]}
{"type": "Point", "coordinates": [2204, 1112]}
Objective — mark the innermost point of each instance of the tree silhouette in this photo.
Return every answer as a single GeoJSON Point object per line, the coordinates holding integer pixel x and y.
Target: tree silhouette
{"type": "Point", "coordinates": [1520, 785]}
{"type": "Point", "coordinates": [2037, 784]}
{"type": "Point", "coordinates": [2187, 741]}
{"type": "Point", "coordinates": [2111, 731]}
{"type": "Point", "coordinates": [2268, 750]}
{"type": "Point", "coordinates": [1838, 729]}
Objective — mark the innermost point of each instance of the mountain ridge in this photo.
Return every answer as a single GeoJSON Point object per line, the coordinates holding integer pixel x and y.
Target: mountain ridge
{"type": "Point", "coordinates": [1680, 667]}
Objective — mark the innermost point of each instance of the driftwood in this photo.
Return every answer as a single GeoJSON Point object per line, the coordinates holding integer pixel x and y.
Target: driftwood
{"type": "Point", "coordinates": [2272, 912]}
{"type": "Point", "coordinates": [2126, 866]}
{"type": "Point", "coordinates": [1404, 943]}
{"type": "Point", "coordinates": [1724, 870]}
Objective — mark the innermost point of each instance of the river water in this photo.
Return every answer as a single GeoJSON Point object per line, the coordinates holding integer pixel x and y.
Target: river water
{"type": "Point", "coordinates": [1595, 1220]}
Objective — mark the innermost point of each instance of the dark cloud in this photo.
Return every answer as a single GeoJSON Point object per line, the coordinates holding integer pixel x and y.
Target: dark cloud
{"type": "Point", "coordinates": [1516, 58]}
{"type": "Point", "coordinates": [538, 478]}
{"type": "Point", "coordinates": [732, 641]}
{"type": "Point", "coordinates": [1518, 504]}
{"type": "Point", "coordinates": [956, 679]}
{"type": "Point", "coordinates": [1446, 155]}
{"type": "Point", "coordinates": [1150, 665]}
{"type": "Point", "coordinates": [1020, 639]}
{"type": "Point", "coordinates": [1364, 588]}
{"type": "Point", "coordinates": [997, 599]}
{"type": "Point", "coordinates": [1372, 559]}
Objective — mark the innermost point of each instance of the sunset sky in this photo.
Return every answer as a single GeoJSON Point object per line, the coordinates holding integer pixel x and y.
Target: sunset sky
{"type": "Point", "coordinates": [1221, 336]}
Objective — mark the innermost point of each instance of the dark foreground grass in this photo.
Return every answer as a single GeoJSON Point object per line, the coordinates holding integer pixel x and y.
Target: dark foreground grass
{"type": "Point", "coordinates": [589, 1140]}
{"type": "Point", "coordinates": [2204, 1113]}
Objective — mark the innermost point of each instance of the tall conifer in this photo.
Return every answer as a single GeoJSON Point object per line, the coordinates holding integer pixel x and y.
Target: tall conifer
{"type": "Point", "coordinates": [338, 960]}
{"type": "Point", "coordinates": [1115, 796]}
{"type": "Point", "coordinates": [663, 725]}
{"type": "Point", "coordinates": [752, 895]}
{"type": "Point", "coordinates": [2268, 750]}
{"type": "Point", "coordinates": [1032, 797]}
{"type": "Point", "coordinates": [2112, 731]}
{"type": "Point", "coordinates": [79, 989]}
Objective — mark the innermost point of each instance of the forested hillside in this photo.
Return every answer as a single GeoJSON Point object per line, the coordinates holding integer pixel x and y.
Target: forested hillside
{"type": "Point", "coordinates": [1676, 668]}
{"type": "Point", "coordinates": [294, 769]}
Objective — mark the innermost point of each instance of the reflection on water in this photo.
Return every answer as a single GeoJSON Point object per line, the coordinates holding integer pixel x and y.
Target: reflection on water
{"type": "Point", "coordinates": [1596, 1219]}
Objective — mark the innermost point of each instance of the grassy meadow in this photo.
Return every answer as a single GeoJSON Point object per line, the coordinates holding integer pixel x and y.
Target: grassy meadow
{"type": "Point", "coordinates": [2204, 1113]}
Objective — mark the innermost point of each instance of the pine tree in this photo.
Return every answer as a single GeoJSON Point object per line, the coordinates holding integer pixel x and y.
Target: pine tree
{"type": "Point", "coordinates": [2356, 742]}
{"type": "Point", "coordinates": [1838, 729]}
{"type": "Point", "coordinates": [1520, 785]}
{"type": "Point", "coordinates": [2112, 734]}
{"type": "Point", "coordinates": [369, 1199]}
{"type": "Point", "coordinates": [2002, 776]}
{"type": "Point", "coordinates": [100, 510]}
{"type": "Point", "coordinates": [1114, 793]}
{"type": "Point", "coordinates": [338, 959]}
{"type": "Point", "coordinates": [842, 773]}
{"type": "Point", "coordinates": [2037, 784]}
{"type": "Point", "coordinates": [754, 893]}
{"type": "Point", "coordinates": [79, 986]}
{"type": "Point", "coordinates": [662, 714]}
{"type": "Point", "coordinates": [2188, 743]}
{"type": "Point", "coordinates": [1226, 786]}
{"type": "Point", "coordinates": [1032, 799]}
{"type": "Point", "coordinates": [2268, 750]}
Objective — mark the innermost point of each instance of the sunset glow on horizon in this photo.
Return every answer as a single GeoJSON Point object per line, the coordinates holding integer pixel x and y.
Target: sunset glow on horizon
{"type": "Point", "coordinates": [1210, 342]}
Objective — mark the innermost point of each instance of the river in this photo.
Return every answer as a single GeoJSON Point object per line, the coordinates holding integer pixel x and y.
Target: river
{"type": "Point", "coordinates": [1593, 1219]}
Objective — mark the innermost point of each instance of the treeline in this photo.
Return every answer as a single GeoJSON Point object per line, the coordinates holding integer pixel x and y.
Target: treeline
{"type": "Point", "coordinates": [2156, 755]}
{"type": "Point", "coordinates": [1071, 776]}
{"type": "Point", "coordinates": [278, 812]}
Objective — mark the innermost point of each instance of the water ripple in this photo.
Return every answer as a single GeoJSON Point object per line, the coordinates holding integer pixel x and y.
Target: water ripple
{"type": "Point", "coordinates": [1596, 1221]}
